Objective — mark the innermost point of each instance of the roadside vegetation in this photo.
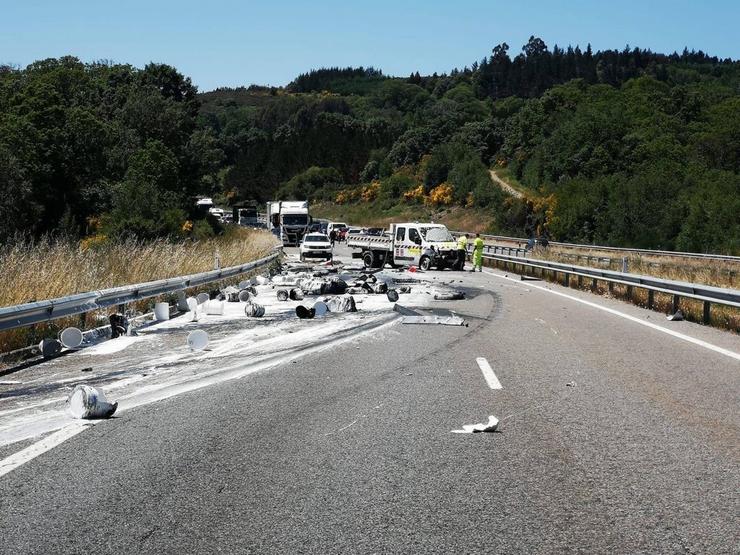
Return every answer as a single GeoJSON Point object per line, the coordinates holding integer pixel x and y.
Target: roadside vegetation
{"type": "Point", "coordinates": [46, 269]}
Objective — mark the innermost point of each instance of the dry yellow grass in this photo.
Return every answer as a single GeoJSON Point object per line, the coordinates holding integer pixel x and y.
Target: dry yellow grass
{"type": "Point", "coordinates": [50, 269]}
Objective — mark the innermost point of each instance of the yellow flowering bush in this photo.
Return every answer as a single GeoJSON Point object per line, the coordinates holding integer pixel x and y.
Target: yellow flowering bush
{"type": "Point", "coordinates": [440, 195]}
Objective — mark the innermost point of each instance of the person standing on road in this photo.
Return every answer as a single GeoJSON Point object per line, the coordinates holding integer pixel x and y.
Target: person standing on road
{"type": "Point", "coordinates": [478, 253]}
{"type": "Point", "coordinates": [332, 237]}
{"type": "Point", "coordinates": [462, 251]}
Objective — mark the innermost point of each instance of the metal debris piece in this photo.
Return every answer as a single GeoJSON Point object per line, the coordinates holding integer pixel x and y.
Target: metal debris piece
{"type": "Point", "coordinates": [441, 320]}
{"type": "Point", "coordinates": [677, 317]}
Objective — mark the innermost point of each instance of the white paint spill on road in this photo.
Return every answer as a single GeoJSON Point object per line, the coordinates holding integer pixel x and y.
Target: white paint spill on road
{"type": "Point", "coordinates": [488, 373]}
{"type": "Point", "coordinates": [688, 338]}
{"type": "Point", "coordinates": [40, 447]}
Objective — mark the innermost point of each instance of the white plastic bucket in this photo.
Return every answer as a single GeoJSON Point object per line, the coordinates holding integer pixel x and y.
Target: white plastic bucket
{"type": "Point", "coordinates": [71, 338]}
{"type": "Point", "coordinates": [161, 312]}
{"type": "Point", "coordinates": [197, 340]}
{"type": "Point", "coordinates": [214, 308]}
{"type": "Point", "coordinates": [320, 309]}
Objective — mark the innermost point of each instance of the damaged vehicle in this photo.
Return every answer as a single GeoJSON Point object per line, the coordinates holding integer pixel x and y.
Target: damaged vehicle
{"type": "Point", "coordinates": [316, 245]}
{"type": "Point", "coordinates": [408, 244]}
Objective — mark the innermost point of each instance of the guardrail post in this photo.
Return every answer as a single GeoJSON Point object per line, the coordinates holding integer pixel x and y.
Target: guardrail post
{"type": "Point", "coordinates": [629, 293]}
{"type": "Point", "coordinates": [580, 282]}
{"type": "Point", "coordinates": [625, 265]}
{"type": "Point", "coordinates": [567, 280]}
{"type": "Point", "coordinates": [707, 315]}
{"type": "Point", "coordinates": [593, 284]}
{"type": "Point", "coordinates": [676, 302]}
{"type": "Point", "coordinates": [611, 287]}
{"type": "Point", "coordinates": [651, 298]}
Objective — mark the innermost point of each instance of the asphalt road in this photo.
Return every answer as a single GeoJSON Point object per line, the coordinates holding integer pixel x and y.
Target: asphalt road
{"type": "Point", "coordinates": [614, 437]}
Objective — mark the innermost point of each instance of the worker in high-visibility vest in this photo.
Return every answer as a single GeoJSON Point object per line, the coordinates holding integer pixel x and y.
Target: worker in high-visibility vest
{"type": "Point", "coordinates": [478, 253]}
{"type": "Point", "coordinates": [462, 251]}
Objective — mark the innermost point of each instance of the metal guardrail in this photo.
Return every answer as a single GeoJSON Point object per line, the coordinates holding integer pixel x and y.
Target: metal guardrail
{"type": "Point", "coordinates": [43, 311]}
{"type": "Point", "coordinates": [707, 294]}
{"type": "Point", "coordinates": [646, 252]}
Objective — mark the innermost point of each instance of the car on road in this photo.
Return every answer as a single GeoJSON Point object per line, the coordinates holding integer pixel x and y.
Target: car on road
{"type": "Point", "coordinates": [315, 245]}
{"type": "Point", "coordinates": [354, 232]}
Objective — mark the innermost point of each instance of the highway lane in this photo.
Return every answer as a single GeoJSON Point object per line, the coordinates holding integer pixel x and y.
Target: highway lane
{"type": "Point", "coordinates": [613, 437]}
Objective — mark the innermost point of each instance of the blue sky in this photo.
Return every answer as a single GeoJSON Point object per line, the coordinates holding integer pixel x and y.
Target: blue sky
{"type": "Point", "coordinates": [230, 43]}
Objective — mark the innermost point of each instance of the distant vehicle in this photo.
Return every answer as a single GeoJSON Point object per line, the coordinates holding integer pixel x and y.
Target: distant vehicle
{"type": "Point", "coordinates": [288, 220]}
{"type": "Point", "coordinates": [218, 213]}
{"type": "Point", "coordinates": [245, 214]}
{"type": "Point", "coordinates": [539, 242]}
{"type": "Point", "coordinates": [408, 244]}
{"type": "Point", "coordinates": [315, 245]}
{"type": "Point", "coordinates": [335, 226]}
{"type": "Point", "coordinates": [376, 231]}
{"type": "Point", "coordinates": [352, 231]}
{"type": "Point", "coordinates": [204, 202]}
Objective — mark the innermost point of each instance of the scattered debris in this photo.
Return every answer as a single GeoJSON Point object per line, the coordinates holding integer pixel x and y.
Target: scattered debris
{"type": "Point", "coordinates": [254, 310]}
{"type": "Point", "coordinates": [245, 295]}
{"type": "Point", "coordinates": [530, 278]}
{"type": "Point", "coordinates": [197, 340]}
{"type": "Point", "coordinates": [118, 325]}
{"type": "Point", "coordinates": [86, 369]}
{"type": "Point", "coordinates": [677, 317]}
{"type": "Point", "coordinates": [202, 297]}
{"type": "Point", "coordinates": [320, 308]}
{"type": "Point", "coordinates": [261, 280]}
{"type": "Point", "coordinates": [296, 294]}
{"type": "Point", "coordinates": [88, 402]}
{"type": "Point", "coordinates": [342, 303]}
{"type": "Point", "coordinates": [71, 338]}
{"type": "Point", "coordinates": [10, 382]}
{"type": "Point", "coordinates": [441, 320]}
{"type": "Point", "coordinates": [304, 313]}
{"type": "Point", "coordinates": [214, 308]}
{"type": "Point", "coordinates": [571, 384]}
{"type": "Point", "coordinates": [392, 295]}
{"type": "Point", "coordinates": [490, 426]}
{"type": "Point", "coordinates": [451, 296]}
{"type": "Point", "coordinates": [161, 312]}
{"type": "Point", "coordinates": [50, 347]}
{"type": "Point", "coordinates": [405, 311]}
{"type": "Point", "coordinates": [282, 294]}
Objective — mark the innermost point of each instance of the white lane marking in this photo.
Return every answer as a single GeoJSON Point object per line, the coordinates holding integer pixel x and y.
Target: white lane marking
{"type": "Point", "coordinates": [687, 338]}
{"type": "Point", "coordinates": [40, 447]}
{"type": "Point", "coordinates": [488, 374]}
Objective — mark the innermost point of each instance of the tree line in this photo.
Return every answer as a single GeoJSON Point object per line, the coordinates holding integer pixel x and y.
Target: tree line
{"type": "Point", "coordinates": [626, 147]}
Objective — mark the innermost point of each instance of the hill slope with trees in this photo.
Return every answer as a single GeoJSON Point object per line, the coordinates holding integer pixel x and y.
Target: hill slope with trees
{"type": "Point", "coordinates": [624, 147]}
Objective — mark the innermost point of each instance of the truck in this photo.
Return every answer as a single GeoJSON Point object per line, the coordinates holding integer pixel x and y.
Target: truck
{"type": "Point", "coordinates": [288, 220]}
{"type": "Point", "coordinates": [245, 214]}
{"type": "Point", "coordinates": [425, 245]}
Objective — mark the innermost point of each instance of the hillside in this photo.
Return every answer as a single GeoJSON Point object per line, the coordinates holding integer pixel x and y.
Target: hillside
{"type": "Point", "coordinates": [623, 147]}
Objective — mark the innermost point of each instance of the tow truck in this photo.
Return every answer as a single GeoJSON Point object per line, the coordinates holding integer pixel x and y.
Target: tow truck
{"type": "Point", "coordinates": [407, 244]}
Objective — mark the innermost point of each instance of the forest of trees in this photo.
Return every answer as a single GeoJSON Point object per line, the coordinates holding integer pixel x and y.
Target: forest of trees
{"type": "Point", "coordinates": [624, 147]}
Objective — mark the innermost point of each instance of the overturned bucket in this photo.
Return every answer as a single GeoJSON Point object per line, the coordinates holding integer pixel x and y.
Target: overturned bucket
{"type": "Point", "coordinates": [88, 402]}
{"type": "Point", "coordinates": [304, 313]}
{"type": "Point", "coordinates": [282, 294]}
{"type": "Point", "coordinates": [71, 338]}
{"type": "Point", "coordinates": [197, 340]}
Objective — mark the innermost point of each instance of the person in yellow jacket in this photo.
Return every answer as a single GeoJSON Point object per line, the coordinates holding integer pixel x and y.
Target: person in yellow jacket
{"type": "Point", "coordinates": [478, 253]}
{"type": "Point", "coordinates": [462, 251]}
